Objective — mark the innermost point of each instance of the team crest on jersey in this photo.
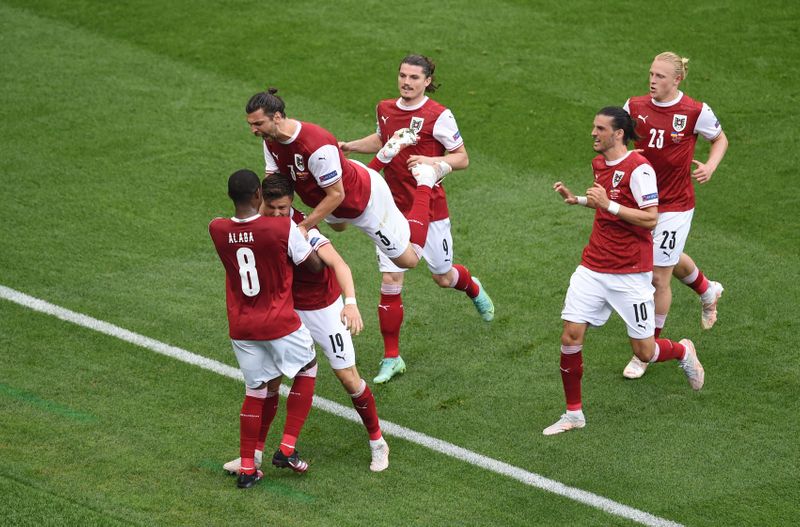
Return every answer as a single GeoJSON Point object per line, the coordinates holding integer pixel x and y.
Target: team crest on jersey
{"type": "Point", "coordinates": [416, 123]}
{"type": "Point", "coordinates": [618, 175]}
{"type": "Point", "coordinates": [297, 175]}
{"type": "Point", "coordinates": [679, 122]}
{"type": "Point", "coordinates": [298, 162]}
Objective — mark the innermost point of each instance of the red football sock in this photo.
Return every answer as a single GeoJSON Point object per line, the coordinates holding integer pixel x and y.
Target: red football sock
{"type": "Point", "coordinates": [376, 164]}
{"type": "Point", "coordinates": [270, 409]}
{"type": "Point", "coordinates": [364, 403]}
{"type": "Point", "coordinates": [298, 405]}
{"type": "Point", "coordinates": [669, 350]}
{"type": "Point", "coordinates": [697, 281]}
{"type": "Point", "coordinates": [465, 282]}
{"type": "Point", "coordinates": [571, 374]}
{"type": "Point", "coordinates": [420, 215]}
{"type": "Point", "coordinates": [249, 426]}
{"type": "Point", "coordinates": [390, 316]}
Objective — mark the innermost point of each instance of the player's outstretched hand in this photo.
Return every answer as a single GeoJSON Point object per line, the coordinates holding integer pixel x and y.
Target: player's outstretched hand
{"type": "Point", "coordinates": [351, 318]}
{"type": "Point", "coordinates": [344, 146]}
{"type": "Point", "coordinates": [569, 198]}
{"type": "Point", "coordinates": [597, 197]}
{"type": "Point", "coordinates": [701, 174]}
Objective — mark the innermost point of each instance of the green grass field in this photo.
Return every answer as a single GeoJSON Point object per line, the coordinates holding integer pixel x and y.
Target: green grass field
{"type": "Point", "coordinates": [120, 124]}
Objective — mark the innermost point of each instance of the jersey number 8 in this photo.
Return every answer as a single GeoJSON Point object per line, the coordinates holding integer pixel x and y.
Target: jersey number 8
{"type": "Point", "coordinates": [247, 271]}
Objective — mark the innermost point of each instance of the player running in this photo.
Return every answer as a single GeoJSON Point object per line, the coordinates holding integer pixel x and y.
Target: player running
{"type": "Point", "coordinates": [616, 267]}
{"type": "Point", "coordinates": [669, 123]}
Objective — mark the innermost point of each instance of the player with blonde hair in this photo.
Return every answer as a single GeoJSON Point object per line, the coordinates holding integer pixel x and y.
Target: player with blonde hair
{"type": "Point", "coordinates": [669, 123]}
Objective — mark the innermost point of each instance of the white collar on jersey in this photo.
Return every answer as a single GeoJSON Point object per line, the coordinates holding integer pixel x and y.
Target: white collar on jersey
{"type": "Point", "coordinates": [667, 104]}
{"type": "Point", "coordinates": [246, 220]}
{"type": "Point", "coordinates": [294, 135]}
{"type": "Point", "coordinates": [618, 161]}
{"type": "Point", "coordinates": [402, 106]}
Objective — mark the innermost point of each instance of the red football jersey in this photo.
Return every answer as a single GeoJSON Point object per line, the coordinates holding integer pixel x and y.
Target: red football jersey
{"type": "Point", "coordinates": [616, 246]}
{"type": "Point", "coordinates": [437, 133]}
{"type": "Point", "coordinates": [313, 291]}
{"type": "Point", "coordinates": [256, 255]}
{"type": "Point", "coordinates": [668, 134]}
{"type": "Point", "coordinates": [314, 161]}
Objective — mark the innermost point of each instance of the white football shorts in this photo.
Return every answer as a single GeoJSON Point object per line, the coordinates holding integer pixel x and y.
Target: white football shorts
{"type": "Point", "coordinates": [330, 334]}
{"type": "Point", "coordinates": [438, 250]}
{"type": "Point", "coordinates": [669, 237]}
{"type": "Point", "coordinates": [264, 360]}
{"type": "Point", "coordinates": [381, 220]}
{"type": "Point", "coordinates": [591, 297]}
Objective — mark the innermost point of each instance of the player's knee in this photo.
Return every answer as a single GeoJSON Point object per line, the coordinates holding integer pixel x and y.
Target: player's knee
{"type": "Point", "coordinates": [349, 378]}
{"type": "Point", "coordinates": [274, 384]}
{"type": "Point", "coordinates": [406, 261]}
{"type": "Point", "coordinates": [571, 337]}
{"type": "Point", "coordinates": [662, 277]}
{"type": "Point", "coordinates": [309, 370]}
{"type": "Point", "coordinates": [391, 280]}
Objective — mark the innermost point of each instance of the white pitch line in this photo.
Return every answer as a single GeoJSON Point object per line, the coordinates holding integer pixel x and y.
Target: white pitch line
{"type": "Point", "coordinates": [449, 449]}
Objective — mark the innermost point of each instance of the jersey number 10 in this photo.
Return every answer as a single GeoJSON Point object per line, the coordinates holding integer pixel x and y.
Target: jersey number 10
{"type": "Point", "coordinates": [247, 271]}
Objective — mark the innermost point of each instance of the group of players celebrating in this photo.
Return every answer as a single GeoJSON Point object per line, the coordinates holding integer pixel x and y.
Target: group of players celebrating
{"type": "Point", "coordinates": [285, 281]}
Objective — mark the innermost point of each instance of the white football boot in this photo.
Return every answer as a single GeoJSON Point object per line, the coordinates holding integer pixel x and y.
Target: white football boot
{"type": "Point", "coordinates": [565, 424]}
{"type": "Point", "coordinates": [400, 139]}
{"type": "Point", "coordinates": [710, 299]}
{"type": "Point", "coordinates": [635, 368]}
{"type": "Point", "coordinates": [380, 455]}
{"type": "Point", "coordinates": [691, 366]}
{"type": "Point", "coordinates": [233, 466]}
{"type": "Point", "coordinates": [424, 174]}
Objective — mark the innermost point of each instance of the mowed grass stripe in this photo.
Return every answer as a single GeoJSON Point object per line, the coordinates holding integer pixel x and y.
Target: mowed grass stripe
{"type": "Point", "coordinates": [449, 449]}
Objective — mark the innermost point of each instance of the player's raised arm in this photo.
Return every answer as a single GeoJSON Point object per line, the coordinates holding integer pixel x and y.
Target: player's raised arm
{"type": "Point", "coordinates": [366, 145]}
